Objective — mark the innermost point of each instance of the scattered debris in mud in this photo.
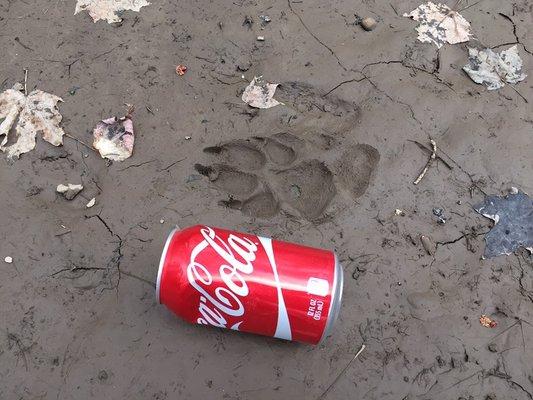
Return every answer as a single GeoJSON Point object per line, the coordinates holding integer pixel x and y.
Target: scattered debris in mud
{"type": "Point", "coordinates": [439, 24]}
{"type": "Point", "coordinates": [298, 171]}
{"type": "Point", "coordinates": [259, 93]}
{"type": "Point", "coordinates": [109, 10]}
{"type": "Point", "coordinates": [34, 113]}
{"type": "Point", "coordinates": [439, 213]}
{"type": "Point", "coordinates": [69, 191]}
{"type": "Point", "coordinates": [493, 70]}
{"type": "Point", "coordinates": [265, 20]}
{"type": "Point", "coordinates": [428, 245]}
{"type": "Point", "coordinates": [513, 223]}
{"type": "Point", "coordinates": [114, 138]}
{"type": "Point", "coordinates": [181, 69]}
{"type": "Point", "coordinates": [487, 322]}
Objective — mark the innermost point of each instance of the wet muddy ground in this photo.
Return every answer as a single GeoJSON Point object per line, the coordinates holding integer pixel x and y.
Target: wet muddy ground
{"type": "Point", "coordinates": [79, 317]}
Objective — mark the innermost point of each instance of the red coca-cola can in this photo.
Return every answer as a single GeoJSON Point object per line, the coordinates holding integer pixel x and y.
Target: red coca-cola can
{"type": "Point", "coordinates": [250, 283]}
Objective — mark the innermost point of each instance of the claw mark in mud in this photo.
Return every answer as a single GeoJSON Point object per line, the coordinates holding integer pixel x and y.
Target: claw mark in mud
{"type": "Point", "coordinates": [22, 349]}
{"type": "Point", "coordinates": [263, 175]}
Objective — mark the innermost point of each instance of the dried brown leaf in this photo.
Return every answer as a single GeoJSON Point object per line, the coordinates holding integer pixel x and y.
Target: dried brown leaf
{"type": "Point", "coordinates": [36, 112]}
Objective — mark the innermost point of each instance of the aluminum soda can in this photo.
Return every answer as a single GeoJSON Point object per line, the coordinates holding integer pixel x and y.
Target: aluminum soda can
{"type": "Point", "coordinates": [250, 283]}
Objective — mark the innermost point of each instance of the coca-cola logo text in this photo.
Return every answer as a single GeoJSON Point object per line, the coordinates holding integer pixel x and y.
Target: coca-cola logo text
{"type": "Point", "coordinates": [224, 301]}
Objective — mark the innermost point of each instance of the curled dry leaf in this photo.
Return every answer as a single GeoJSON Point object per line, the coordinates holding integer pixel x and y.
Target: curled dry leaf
{"type": "Point", "coordinates": [113, 138]}
{"type": "Point", "coordinates": [259, 93]}
{"type": "Point", "coordinates": [494, 70]}
{"type": "Point", "coordinates": [36, 112]}
{"type": "Point", "coordinates": [487, 322]}
{"type": "Point", "coordinates": [439, 24]}
{"type": "Point", "coordinates": [109, 10]}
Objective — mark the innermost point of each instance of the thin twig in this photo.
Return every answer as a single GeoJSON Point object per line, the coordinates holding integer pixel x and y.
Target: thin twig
{"type": "Point", "coordinates": [25, 82]}
{"type": "Point", "coordinates": [459, 382]}
{"type": "Point", "coordinates": [139, 278]}
{"type": "Point", "coordinates": [518, 93]}
{"type": "Point", "coordinates": [471, 5]}
{"type": "Point", "coordinates": [109, 51]}
{"type": "Point", "coordinates": [171, 165]}
{"type": "Point", "coordinates": [75, 269]}
{"type": "Point", "coordinates": [428, 164]}
{"type": "Point", "coordinates": [79, 141]}
{"type": "Point", "coordinates": [426, 149]}
{"type": "Point", "coordinates": [342, 372]}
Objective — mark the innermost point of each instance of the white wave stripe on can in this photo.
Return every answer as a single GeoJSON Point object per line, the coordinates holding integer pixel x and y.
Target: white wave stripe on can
{"type": "Point", "coordinates": [283, 327]}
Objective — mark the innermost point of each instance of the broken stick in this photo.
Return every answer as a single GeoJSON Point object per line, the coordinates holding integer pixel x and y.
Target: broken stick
{"type": "Point", "coordinates": [428, 164]}
{"type": "Point", "coordinates": [363, 346]}
{"type": "Point", "coordinates": [79, 141]}
{"type": "Point", "coordinates": [429, 151]}
{"type": "Point", "coordinates": [25, 82]}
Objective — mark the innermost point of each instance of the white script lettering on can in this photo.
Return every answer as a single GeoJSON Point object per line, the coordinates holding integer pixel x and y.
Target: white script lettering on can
{"type": "Point", "coordinates": [237, 254]}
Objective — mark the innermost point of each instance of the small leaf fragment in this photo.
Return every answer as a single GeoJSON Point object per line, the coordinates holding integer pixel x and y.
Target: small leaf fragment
{"type": "Point", "coordinates": [259, 93]}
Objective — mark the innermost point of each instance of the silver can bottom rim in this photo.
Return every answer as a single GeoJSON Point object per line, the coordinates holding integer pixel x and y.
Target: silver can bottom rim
{"type": "Point", "coordinates": [162, 263]}
{"type": "Point", "coordinates": [336, 300]}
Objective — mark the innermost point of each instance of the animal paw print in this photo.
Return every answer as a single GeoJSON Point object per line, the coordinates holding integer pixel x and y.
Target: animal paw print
{"type": "Point", "coordinates": [265, 175]}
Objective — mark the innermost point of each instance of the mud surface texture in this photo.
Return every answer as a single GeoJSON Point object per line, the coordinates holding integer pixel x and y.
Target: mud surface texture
{"type": "Point", "coordinates": [328, 168]}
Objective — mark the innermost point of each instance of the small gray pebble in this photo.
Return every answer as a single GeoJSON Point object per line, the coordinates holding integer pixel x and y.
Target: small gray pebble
{"type": "Point", "coordinates": [368, 23]}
